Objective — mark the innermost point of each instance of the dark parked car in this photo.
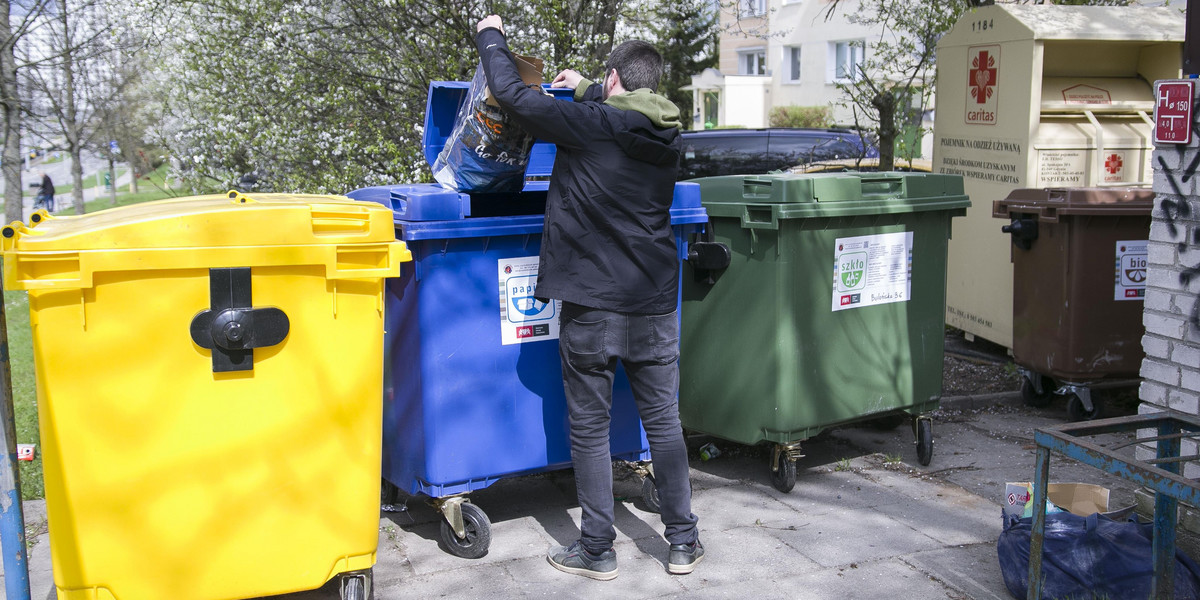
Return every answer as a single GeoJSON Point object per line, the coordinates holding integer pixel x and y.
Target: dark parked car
{"type": "Point", "coordinates": [753, 151]}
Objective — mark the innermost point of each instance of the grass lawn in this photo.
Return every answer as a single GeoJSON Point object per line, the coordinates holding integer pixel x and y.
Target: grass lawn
{"type": "Point", "coordinates": [20, 344]}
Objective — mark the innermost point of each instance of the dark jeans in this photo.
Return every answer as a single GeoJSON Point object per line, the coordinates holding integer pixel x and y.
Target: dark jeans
{"type": "Point", "coordinates": [592, 341]}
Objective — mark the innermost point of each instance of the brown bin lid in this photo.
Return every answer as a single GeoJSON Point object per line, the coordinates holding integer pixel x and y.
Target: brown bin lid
{"type": "Point", "coordinates": [1049, 203]}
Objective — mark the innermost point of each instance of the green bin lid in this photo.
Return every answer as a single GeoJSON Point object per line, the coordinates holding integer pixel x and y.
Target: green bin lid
{"type": "Point", "coordinates": [807, 195]}
{"type": "Point", "coordinates": [1049, 203]}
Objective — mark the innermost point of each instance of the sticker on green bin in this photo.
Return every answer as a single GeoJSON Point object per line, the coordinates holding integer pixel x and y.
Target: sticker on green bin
{"type": "Point", "coordinates": [1131, 271]}
{"type": "Point", "coordinates": [872, 269]}
{"type": "Point", "coordinates": [524, 318]}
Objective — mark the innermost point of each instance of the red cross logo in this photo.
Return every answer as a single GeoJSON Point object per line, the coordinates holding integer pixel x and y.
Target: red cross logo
{"type": "Point", "coordinates": [983, 77]}
{"type": "Point", "coordinates": [1113, 164]}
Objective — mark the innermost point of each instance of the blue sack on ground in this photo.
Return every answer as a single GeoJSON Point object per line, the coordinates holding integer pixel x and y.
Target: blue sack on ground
{"type": "Point", "coordinates": [486, 150]}
{"type": "Point", "coordinates": [1089, 557]}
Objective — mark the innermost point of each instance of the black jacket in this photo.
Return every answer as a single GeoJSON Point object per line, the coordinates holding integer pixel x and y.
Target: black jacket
{"type": "Point", "coordinates": [607, 242]}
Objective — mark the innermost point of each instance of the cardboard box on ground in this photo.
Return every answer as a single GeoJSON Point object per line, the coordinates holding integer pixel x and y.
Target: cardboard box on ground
{"type": "Point", "coordinates": [1082, 499]}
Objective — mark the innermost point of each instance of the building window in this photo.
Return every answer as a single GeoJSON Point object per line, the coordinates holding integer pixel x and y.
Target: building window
{"type": "Point", "coordinates": [847, 59]}
{"type": "Point", "coordinates": [752, 8]}
{"type": "Point", "coordinates": [791, 58]}
{"type": "Point", "coordinates": [752, 62]}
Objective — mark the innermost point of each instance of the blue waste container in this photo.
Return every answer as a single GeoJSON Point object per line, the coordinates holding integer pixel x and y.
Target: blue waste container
{"type": "Point", "coordinates": [473, 388]}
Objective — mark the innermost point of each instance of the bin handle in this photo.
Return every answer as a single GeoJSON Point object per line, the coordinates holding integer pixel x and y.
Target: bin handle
{"type": "Point", "coordinates": [231, 327]}
{"type": "Point", "coordinates": [757, 188]}
{"type": "Point", "coordinates": [882, 186]}
{"type": "Point", "coordinates": [759, 217]}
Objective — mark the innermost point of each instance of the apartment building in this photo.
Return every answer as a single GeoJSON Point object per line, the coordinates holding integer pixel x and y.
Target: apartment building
{"type": "Point", "coordinates": [779, 53]}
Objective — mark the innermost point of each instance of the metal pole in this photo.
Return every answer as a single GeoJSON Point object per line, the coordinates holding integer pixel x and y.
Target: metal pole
{"type": "Point", "coordinates": [1166, 515]}
{"type": "Point", "coordinates": [1037, 535]}
{"type": "Point", "coordinates": [12, 518]}
{"type": "Point", "coordinates": [1191, 44]}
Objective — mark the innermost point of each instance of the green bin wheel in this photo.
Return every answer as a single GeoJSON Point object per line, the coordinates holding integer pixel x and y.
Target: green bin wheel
{"type": "Point", "coordinates": [357, 586]}
{"type": "Point", "coordinates": [478, 529]}
{"type": "Point", "coordinates": [650, 494]}
{"type": "Point", "coordinates": [924, 441]}
{"type": "Point", "coordinates": [1076, 411]}
{"type": "Point", "coordinates": [1034, 399]}
{"type": "Point", "coordinates": [783, 476]}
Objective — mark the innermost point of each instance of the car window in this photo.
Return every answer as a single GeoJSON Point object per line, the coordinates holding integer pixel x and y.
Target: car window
{"type": "Point", "coordinates": [709, 155]}
{"type": "Point", "coordinates": [748, 152]}
{"type": "Point", "coordinates": [788, 149]}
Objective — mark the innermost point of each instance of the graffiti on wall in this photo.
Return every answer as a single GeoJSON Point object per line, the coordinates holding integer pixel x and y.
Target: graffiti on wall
{"type": "Point", "coordinates": [1176, 210]}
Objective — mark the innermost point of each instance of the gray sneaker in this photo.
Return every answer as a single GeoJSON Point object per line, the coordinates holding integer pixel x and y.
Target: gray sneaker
{"type": "Point", "coordinates": [684, 557]}
{"type": "Point", "coordinates": [575, 560]}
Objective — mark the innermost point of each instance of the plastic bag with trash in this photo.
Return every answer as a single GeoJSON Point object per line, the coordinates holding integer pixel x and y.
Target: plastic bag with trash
{"type": "Point", "coordinates": [486, 151]}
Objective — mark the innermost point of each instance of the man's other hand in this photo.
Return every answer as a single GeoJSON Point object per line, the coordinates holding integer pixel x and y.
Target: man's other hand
{"type": "Point", "coordinates": [490, 21]}
{"type": "Point", "coordinates": [567, 79]}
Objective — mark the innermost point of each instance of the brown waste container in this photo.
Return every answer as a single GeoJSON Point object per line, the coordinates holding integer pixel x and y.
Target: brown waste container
{"type": "Point", "coordinates": [1079, 281]}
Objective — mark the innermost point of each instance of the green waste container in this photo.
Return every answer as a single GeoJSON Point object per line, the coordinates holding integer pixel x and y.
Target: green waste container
{"type": "Point", "coordinates": [832, 309]}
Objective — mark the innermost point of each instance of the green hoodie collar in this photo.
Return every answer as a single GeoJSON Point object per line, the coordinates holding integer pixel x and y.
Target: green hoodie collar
{"type": "Point", "coordinates": [662, 112]}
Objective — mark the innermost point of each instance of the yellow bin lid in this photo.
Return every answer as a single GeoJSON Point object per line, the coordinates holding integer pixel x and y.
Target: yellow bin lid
{"type": "Point", "coordinates": [355, 240]}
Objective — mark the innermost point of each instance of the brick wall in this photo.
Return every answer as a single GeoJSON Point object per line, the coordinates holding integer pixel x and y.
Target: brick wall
{"type": "Point", "coordinates": [1171, 370]}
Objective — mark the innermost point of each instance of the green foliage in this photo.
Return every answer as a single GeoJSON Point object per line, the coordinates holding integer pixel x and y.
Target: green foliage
{"type": "Point", "coordinates": [328, 96]}
{"type": "Point", "coordinates": [801, 116]}
{"type": "Point", "coordinates": [895, 82]}
{"type": "Point", "coordinates": [686, 32]}
{"type": "Point", "coordinates": [20, 345]}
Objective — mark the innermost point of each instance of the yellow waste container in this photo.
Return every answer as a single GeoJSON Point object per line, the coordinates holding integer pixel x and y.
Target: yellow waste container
{"type": "Point", "coordinates": [209, 376]}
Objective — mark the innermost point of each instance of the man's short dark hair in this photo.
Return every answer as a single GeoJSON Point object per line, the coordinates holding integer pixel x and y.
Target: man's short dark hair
{"type": "Point", "coordinates": [638, 64]}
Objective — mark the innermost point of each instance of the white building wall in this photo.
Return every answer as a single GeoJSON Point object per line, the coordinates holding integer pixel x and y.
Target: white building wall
{"type": "Point", "coordinates": [802, 23]}
{"type": "Point", "coordinates": [747, 98]}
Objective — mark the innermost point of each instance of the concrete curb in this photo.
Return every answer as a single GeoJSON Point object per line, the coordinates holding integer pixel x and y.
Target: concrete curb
{"type": "Point", "coordinates": [979, 401]}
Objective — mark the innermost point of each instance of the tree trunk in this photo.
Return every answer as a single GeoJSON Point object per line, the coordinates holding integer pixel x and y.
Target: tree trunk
{"type": "Point", "coordinates": [112, 170]}
{"type": "Point", "coordinates": [14, 196]}
{"type": "Point", "coordinates": [885, 103]}
{"type": "Point", "coordinates": [71, 116]}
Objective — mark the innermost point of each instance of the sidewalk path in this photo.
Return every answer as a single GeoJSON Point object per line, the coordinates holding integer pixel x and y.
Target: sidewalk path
{"type": "Point", "coordinates": [864, 521]}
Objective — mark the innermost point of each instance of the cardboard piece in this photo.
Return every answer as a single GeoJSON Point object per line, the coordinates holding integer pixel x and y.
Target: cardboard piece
{"type": "Point", "coordinates": [530, 69]}
{"type": "Point", "coordinates": [1082, 499]}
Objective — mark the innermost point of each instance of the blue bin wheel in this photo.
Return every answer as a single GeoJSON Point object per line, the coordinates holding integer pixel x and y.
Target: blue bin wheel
{"type": "Point", "coordinates": [388, 492]}
{"type": "Point", "coordinates": [1032, 397]}
{"type": "Point", "coordinates": [479, 533]}
{"type": "Point", "coordinates": [357, 586]}
{"type": "Point", "coordinates": [783, 476]}
{"type": "Point", "coordinates": [924, 427]}
{"type": "Point", "coordinates": [1077, 412]}
{"type": "Point", "coordinates": [650, 494]}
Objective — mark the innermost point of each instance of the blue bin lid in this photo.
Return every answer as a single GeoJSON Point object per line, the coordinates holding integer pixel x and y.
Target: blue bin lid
{"type": "Point", "coordinates": [441, 107]}
{"type": "Point", "coordinates": [430, 211]}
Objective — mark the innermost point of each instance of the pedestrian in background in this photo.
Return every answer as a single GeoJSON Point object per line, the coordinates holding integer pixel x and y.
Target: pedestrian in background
{"type": "Point", "coordinates": [608, 252]}
{"type": "Point", "coordinates": [45, 197]}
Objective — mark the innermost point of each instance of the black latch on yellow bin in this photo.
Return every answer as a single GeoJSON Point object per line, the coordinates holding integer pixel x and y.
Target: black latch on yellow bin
{"type": "Point", "coordinates": [232, 328]}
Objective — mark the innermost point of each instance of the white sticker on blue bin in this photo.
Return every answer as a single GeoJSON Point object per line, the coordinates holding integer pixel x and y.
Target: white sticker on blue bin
{"type": "Point", "coordinates": [1130, 279]}
{"type": "Point", "coordinates": [872, 269]}
{"type": "Point", "coordinates": [524, 318]}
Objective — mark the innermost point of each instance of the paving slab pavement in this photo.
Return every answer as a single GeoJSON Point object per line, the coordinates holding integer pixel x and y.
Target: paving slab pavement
{"type": "Point", "coordinates": [865, 520]}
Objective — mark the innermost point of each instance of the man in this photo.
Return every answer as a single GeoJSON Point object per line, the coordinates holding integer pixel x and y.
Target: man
{"type": "Point", "coordinates": [609, 254]}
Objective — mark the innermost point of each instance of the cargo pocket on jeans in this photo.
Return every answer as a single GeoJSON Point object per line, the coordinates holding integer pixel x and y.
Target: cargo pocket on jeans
{"type": "Point", "coordinates": [664, 337]}
{"type": "Point", "coordinates": [585, 344]}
